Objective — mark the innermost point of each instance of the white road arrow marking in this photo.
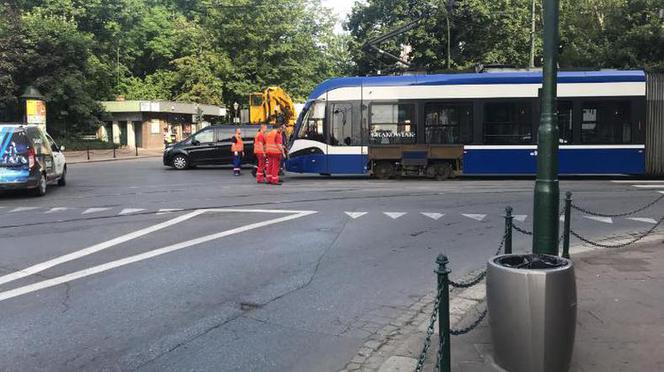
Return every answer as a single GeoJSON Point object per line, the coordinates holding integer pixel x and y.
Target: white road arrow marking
{"type": "Point", "coordinates": [168, 210]}
{"type": "Point", "coordinates": [144, 256]}
{"type": "Point", "coordinates": [477, 217]}
{"type": "Point", "coordinates": [394, 215]}
{"type": "Point", "coordinates": [23, 209]}
{"type": "Point", "coordinates": [520, 217]}
{"type": "Point", "coordinates": [600, 219]}
{"type": "Point", "coordinates": [130, 211]}
{"type": "Point", "coordinates": [435, 216]}
{"type": "Point", "coordinates": [95, 248]}
{"type": "Point", "coordinates": [642, 219]}
{"type": "Point", "coordinates": [56, 209]}
{"type": "Point", "coordinates": [94, 210]}
{"type": "Point", "coordinates": [355, 215]}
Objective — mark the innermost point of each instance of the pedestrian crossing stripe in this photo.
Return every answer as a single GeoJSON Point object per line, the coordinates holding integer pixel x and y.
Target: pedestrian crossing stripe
{"type": "Point", "coordinates": [23, 209]}
{"type": "Point", "coordinates": [434, 216]}
{"type": "Point", "coordinates": [56, 209]}
{"type": "Point", "coordinates": [130, 211]}
{"type": "Point", "coordinates": [642, 219]}
{"type": "Point", "coordinates": [520, 217]}
{"type": "Point", "coordinates": [95, 210]}
{"type": "Point", "coordinates": [355, 215]}
{"type": "Point", "coordinates": [600, 219]}
{"type": "Point", "coordinates": [477, 217]}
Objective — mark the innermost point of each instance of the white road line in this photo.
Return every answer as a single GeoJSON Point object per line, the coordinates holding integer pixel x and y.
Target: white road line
{"type": "Point", "coordinates": [56, 209]}
{"type": "Point", "coordinates": [642, 219]}
{"type": "Point", "coordinates": [95, 210]}
{"type": "Point", "coordinates": [660, 186]}
{"type": "Point", "coordinates": [520, 217]}
{"type": "Point", "coordinates": [394, 215]}
{"type": "Point", "coordinates": [355, 215]}
{"type": "Point", "coordinates": [477, 217]}
{"type": "Point", "coordinates": [23, 209]}
{"type": "Point", "coordinates": [433, 215]}
{"type": "Point", "coordinates": [95, 248]}
{"type": "Point", "coordinates": [600, 219]}
{"type": "Point", "coordinates": [637, 181]}
{"type": "Point", "coordinates": [143, 256]}
{"type": "Point", "coordinates": [130, 211]}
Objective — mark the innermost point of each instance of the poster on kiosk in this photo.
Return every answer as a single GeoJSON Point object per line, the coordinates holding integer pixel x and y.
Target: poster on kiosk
{"type": "Point", "coordinates": [35, 110]}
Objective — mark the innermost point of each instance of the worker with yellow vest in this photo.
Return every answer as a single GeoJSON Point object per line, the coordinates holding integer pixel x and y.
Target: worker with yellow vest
{"type": "Point", "coordinates": [237, 148]}
{"type": "Point", "coordinates": [275, 152]}
{"type": "Point", "coordinates": [259, 152]}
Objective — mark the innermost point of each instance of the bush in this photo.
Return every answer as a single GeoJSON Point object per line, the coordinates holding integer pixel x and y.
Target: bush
{"type": "Point", "coordinates": [78, 144]}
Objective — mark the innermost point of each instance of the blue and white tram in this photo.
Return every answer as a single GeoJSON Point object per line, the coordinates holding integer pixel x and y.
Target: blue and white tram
{"type": "Point", "coordinates": [494, 115]}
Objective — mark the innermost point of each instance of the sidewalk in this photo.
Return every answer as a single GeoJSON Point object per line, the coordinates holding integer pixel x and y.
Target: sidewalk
{"type": "Point", "coordinates": [620, 319]}
{"type": "Point", "coordinates": [74, 157]}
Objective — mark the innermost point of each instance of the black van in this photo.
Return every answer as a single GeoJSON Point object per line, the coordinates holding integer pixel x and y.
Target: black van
{"type": "Point", "coordinates": [210, 146]}
{"type": "Point", "coordinates": [27, 159]}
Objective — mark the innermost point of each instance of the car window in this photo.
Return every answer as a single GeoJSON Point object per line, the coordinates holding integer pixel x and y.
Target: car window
{"type": "Point", "coordinates": [39, 141]}
{"type": "Point", "coordinates": [54, 145]}
{"type": "Point", "coordinates": [225, 134]}
{"type": "Point", "coordinates": [206, 136]}
{"type": "Point", "coordinates": [15, 144]}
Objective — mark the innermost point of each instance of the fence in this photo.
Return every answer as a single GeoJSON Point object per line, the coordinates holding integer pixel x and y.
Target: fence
{"type": "Point", "coordinates": [98, 154]}
{"type": "Point", "coordinates": [441, 303]}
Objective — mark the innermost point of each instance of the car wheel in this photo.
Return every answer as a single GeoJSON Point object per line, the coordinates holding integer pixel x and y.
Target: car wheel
{"type": "Point", "coordinates": [63, 179]}
{"type": "Point", "coordinates": [180, 162]}
{"type": "Point", "coordinates": [41, 187]}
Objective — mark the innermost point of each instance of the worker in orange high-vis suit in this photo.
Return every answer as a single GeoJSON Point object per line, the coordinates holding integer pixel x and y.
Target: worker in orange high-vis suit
{"type": "Point", "coordinates": [275, 151]}
{"type": "Point", "coordinates": [259, 151]}
{"type": "Point", "coordinates": [237, 148]}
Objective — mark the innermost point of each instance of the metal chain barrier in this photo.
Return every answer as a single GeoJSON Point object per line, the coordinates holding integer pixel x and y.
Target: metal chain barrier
{"type": "Point", "coordinates": [586, 211]}
{"type": "Point", "coordinates": [430, 330]}
{"type": "Point", "coordinates": [472, 282]}
{"type": "Point", "coordinates": [473, 325]}
{"type": "Point", "coordinates": [621, 245]}
{"type": "Point", "coordinates": [521, 230]}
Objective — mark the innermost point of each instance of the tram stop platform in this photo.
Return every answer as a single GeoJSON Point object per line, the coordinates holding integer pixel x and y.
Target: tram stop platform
{"type": "Point", "coordinates": [620, 323]}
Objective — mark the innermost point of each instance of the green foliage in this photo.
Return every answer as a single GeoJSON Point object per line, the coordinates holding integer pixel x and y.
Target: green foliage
{"type": "Point", "coordinates": [208, 51]}
{"type": "Point", "coordinates": [594, 33]}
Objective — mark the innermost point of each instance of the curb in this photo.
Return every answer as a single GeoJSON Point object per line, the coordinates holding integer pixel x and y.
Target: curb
{"type": "Point", "coordinates": [396, 347]}
{"type": "Point", "coordinates": [112, 159]}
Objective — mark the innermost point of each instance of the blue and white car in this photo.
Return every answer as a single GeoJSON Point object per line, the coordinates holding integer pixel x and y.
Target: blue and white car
{"type": "Point", "coordinates": [30, 159]}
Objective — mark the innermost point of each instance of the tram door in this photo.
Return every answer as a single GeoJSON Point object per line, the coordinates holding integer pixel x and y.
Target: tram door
{"type": "Point", "coordinates": [345, 139]}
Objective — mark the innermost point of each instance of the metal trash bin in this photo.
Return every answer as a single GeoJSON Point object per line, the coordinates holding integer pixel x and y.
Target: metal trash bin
{"type": "Point", "coordinates": [532, 311]}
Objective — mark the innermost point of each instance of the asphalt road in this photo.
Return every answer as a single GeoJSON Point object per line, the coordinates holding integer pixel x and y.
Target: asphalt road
{"type": "Point", "coordinates": [133, 266]}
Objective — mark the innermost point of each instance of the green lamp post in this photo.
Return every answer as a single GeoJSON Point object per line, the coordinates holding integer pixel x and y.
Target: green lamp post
{"type": "Point", "coordinates": [545, 225]}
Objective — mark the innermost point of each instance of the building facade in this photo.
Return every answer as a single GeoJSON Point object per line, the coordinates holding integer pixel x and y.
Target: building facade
{"type": "Point", "coordinates": [143, 124]}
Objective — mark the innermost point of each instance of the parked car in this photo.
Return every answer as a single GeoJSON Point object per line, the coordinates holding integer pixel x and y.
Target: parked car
{"type": "Point", "coordinates": [30, 159]}
{"type": "Point", "coordinates": [210, 146]}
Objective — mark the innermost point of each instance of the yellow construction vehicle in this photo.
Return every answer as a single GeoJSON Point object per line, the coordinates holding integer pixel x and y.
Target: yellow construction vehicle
{"type": "Point", "coordinates": [271, 106]}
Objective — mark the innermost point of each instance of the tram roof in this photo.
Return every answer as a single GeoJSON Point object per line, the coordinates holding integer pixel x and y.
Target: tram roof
{"type": "Point", "coordinates": [535, 77]}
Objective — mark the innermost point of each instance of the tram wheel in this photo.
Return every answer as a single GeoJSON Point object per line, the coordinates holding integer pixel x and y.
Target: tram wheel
{"type": "Point", "coordinates": [443, 171]}
{"type": "Point", "coordinates": [383, 170]}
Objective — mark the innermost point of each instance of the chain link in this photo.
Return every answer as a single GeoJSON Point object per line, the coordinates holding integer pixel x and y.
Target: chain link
{"type": "Point", "coordinates": [586, 211]}
{"type": "Point", "coordinates": [522, 231]}
{"type": "Point", "coordinates": [473, 325]}
{"type": "Point", "coordinates": [482, 274]}
{"type": "Point", "coordinates": [621, 245]}
{"type": "Point", "coordinates": [430, 330]}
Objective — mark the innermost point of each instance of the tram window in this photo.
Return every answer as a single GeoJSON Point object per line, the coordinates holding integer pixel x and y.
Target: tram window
{"type": "Point", "coordinates": [448, 123]}
{"type": "Point", "coordinates": [565, 122]}
{"type": "Point", "coordinates": [507, 123]}
{"type": "Point", "coordinates": [392, 124]}
{"type": "Point", "coordinates": [344, 132]}
{"type": "Point", "coordinates": [313, 123]}
{"type": "Point", "coordinates": [606, 122]}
